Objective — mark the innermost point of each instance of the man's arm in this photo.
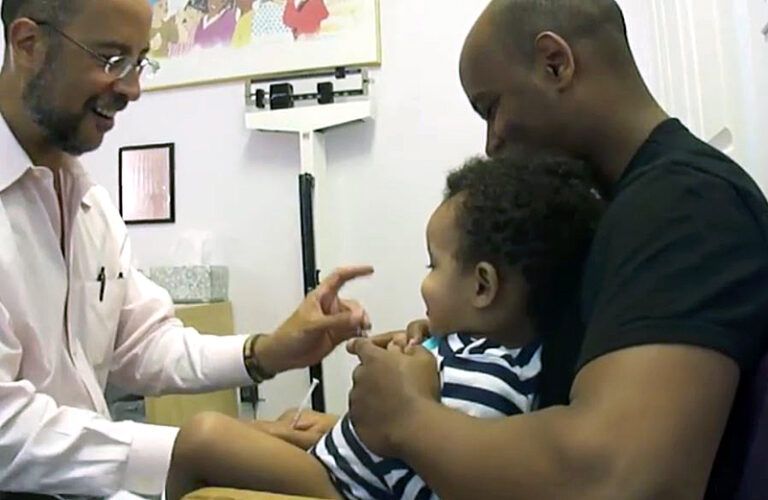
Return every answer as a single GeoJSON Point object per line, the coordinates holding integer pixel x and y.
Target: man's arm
{"type": "Point", "coordinates": [155, 354]}
{"type": "Point", "coordinates": [47, 448]}
{"type": "Point", "coordinates": [644, 423]}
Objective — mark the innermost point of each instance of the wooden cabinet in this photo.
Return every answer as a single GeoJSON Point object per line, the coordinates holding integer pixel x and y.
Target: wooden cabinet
{"type": "Point", "coordinates": [215, 319]}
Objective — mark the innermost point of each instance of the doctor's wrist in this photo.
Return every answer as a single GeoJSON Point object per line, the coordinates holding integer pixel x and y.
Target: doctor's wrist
{"type": "Point", "coordinates": [257, 360]}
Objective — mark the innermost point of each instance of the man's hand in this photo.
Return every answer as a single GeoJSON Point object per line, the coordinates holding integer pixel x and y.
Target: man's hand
{"type": "Point", "coordinates": [308, 431]}
{"type": "Point", "coordinates": [389, 385]}
{"type": "Point", "coordinates": [319, 324]}
{"type": "Point", "coordinates": [310, 420]}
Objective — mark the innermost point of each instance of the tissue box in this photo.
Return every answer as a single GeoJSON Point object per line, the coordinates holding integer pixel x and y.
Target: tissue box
{"type": "Point", "coordinates": [193, 284]}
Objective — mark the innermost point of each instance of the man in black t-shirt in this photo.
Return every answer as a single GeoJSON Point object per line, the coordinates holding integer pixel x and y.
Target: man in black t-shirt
{"type": "Point", "coordinates": [675, 291]}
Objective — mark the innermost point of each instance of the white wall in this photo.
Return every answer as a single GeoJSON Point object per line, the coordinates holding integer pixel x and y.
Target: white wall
{"type": "Point", "coordinates": [238, 186]}
{"type": "Point", "coordinates": [750, 29]}
{"type": "Point", "coordinates": [707, 63]}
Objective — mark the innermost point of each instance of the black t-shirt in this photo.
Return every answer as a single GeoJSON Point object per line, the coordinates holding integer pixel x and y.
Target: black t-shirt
{"type": "Point", "coordinates": [680, 256]}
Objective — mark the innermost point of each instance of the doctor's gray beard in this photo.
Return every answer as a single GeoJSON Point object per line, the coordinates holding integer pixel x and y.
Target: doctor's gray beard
{"type": "Point", "coordinates": [60, 127]}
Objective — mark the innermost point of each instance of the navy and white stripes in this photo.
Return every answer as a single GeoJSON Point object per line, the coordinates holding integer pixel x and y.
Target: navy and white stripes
{"type": "Point", "coordinates": [478, 377]}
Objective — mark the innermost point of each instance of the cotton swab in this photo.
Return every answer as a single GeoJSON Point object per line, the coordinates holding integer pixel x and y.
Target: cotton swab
{"type": "Point", "coordinates": [304, 403]}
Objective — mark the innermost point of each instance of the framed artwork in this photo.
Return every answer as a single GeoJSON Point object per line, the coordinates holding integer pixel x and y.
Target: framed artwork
{"type": "Point", "coordinates": [199, 41]}
{"type": "Point", "coordinates": [146, 177]}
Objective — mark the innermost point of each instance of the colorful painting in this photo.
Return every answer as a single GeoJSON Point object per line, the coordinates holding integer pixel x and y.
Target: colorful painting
{"type": "Point", "coordinates": [199, 41]}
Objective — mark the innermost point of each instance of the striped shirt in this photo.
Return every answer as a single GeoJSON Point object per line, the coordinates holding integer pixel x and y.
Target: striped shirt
{"type": "Point", "coordinates": [478, 377]}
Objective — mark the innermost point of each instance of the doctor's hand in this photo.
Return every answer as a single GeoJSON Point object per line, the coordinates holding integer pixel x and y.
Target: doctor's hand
{"type": "Point", "coordinates": [310, 420]}
{"type": "Point", "coordinates": [310, 427]}
{"type": "Point", "coordinates": [390, 385]}
{"type": "Point", "coordinates": [319, 324]}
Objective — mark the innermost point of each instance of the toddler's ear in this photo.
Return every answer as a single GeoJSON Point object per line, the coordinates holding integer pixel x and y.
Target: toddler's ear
{"type": "Point", "coordinates": [486, 285]}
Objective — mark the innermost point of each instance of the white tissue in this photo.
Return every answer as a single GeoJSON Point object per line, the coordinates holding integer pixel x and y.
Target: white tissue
{"type": "Point", "coordinates": [191, 276]}
{"type": "Point", "coordinates": [193, 248]}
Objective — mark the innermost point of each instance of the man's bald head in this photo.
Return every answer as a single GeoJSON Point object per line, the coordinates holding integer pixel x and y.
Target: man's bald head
{"type": "Point", "coordinates": [57, 12]}
{"type": "Point", "coordinates": [600, 23]}
{"type": "Point", "coordinates": [550, 74]}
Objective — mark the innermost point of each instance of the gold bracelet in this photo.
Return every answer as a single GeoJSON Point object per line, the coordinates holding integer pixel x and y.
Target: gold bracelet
{"type": "Point", "coordinates": [252, 365]}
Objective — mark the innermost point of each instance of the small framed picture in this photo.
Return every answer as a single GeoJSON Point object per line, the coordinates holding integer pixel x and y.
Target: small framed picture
{"type": "Point", "coordinates": [146, 184]}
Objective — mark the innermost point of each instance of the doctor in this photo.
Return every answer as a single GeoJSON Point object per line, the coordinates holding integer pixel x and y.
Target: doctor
{"type": "Point", "coordinates": [73, 312]}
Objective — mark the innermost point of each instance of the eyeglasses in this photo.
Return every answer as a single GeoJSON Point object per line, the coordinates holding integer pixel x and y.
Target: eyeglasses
{"type": "Point", "coordinates": [118, 67]}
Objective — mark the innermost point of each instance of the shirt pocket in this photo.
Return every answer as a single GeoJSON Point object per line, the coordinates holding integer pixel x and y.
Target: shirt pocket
{"type": "Point", "coordinates": [102, 302]}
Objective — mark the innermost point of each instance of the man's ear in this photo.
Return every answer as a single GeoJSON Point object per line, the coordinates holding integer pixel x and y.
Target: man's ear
{"type": "Point", "coordinates": [486, 285]}
{"type": "Point", "coordinates": [554, 60]}
{"type": "Point", "coordinates": [26, 44]}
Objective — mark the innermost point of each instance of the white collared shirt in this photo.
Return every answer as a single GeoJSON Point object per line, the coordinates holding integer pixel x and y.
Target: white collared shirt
{"type": "Point", "coordinates": [64, 332]}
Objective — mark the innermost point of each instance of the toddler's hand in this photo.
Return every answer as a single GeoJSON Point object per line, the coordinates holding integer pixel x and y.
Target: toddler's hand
{"type": "Point", "coordinates": [416, 332]}
{"type": "Point", "coordinates": [402, 344]}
